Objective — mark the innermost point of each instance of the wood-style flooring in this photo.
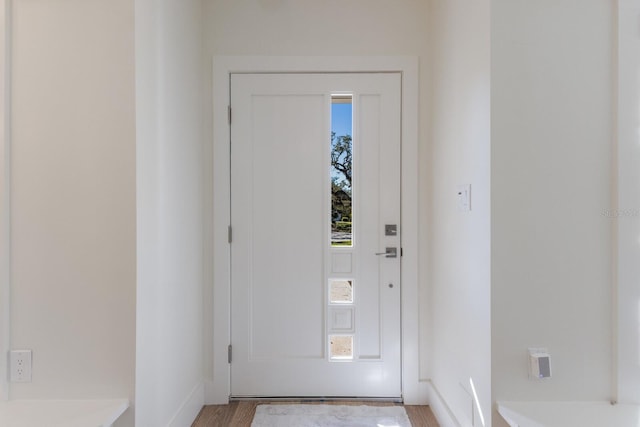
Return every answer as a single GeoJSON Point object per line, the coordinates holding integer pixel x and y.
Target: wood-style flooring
{"type": "Point", "coordinates": [240, 414]}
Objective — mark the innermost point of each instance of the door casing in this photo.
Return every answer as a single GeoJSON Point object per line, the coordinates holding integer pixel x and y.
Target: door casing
{"type": "Point", "coordinates": [217, 335]}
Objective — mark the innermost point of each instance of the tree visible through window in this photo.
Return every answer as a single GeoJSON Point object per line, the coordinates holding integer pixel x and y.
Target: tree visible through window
{"type": "Point", "coordinates": [341, 171]}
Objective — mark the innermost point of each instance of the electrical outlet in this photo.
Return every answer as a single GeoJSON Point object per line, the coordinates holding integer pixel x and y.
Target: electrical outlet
{"type": "Point", "coordinates": [539, 363]}
{"type": "Point", "coordinates": [20, 366]}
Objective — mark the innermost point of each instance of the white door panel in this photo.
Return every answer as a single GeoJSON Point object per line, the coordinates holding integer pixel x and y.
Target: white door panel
{"type": "Point", "coordinates": [282, 260]}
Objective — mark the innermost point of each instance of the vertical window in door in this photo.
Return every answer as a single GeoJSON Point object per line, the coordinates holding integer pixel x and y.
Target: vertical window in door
{"type": "Point", "coordinates": [341, 167]}
{"type": "Point", "coordinates": [341, 293]}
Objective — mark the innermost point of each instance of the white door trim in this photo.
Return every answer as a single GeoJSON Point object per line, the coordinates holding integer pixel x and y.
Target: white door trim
{"type": "Point", "coordinates": [218, 390]}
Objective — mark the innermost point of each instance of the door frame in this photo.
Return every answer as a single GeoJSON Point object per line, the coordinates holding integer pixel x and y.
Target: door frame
{"type": "Point", "coordinates": [217, 388]}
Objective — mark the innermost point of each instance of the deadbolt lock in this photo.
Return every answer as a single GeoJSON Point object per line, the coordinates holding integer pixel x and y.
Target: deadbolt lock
{"type": "Point", "coordinates": [391, 230]}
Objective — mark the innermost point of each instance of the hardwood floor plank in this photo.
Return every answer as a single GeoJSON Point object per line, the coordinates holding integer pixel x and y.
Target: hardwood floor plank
{"type": "Point", "coordinates": [216, 415]}
{"type": "Point", "coordinates": [244, 415]}
{"type": "Point", "coordinates": [240, 414]}
{"type": "Point", "coordinates": [421, 416]}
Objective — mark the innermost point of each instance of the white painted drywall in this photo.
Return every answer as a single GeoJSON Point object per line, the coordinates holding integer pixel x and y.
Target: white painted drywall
{"type": "Point", "coordinates": [627, 212]}
{"type": "Point", "coordinates": [169, 365]}
{"type": "Point", "coordinates": [551, 145]}
{"type": "Point", "coordinates": [5, 275]}
{"type": "Point", "coordinates": [459, 245]}
{"type": "Point", "coordinates": [308, 28]}
{"type": "Point", "coordinates": [73, 197]}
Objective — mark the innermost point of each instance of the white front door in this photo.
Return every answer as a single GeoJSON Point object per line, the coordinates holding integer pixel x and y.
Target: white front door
{"type": "Point", "coordinates": [315, 301]}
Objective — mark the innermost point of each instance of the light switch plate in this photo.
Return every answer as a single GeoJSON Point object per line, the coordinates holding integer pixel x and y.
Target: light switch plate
{"type": "Point", "coordinates": [464, 198]}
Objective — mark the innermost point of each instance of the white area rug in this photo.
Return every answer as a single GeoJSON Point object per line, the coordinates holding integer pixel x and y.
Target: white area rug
{"type": "Point", "coordinates": [330, 416]}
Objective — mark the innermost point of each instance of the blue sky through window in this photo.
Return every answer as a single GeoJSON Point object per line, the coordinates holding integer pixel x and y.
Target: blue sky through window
{"type": "Point", "coordinates": [341, 119]}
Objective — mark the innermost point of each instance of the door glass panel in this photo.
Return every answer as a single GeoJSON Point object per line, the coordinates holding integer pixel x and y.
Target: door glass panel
{"type": "Point", "coordinates": [341, 168]}
{"type": "Point", "coordinates": [341, 291]}
{"type": "Point", "coordinates": [341, 347]}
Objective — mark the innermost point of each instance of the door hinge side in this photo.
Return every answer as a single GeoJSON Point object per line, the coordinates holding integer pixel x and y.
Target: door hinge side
{"type": "Point", "coordinates": [229, 113]}
{"type": "Point", "coordinates": [229, 351]}
{"type": "Point", "coordinates": [229, 234]}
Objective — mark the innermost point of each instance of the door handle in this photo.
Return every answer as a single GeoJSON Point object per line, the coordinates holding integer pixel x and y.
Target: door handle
{"type": "Point", "coordinates": [389, 253]}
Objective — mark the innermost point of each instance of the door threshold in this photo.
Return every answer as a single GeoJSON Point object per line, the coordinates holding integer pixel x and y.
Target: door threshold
{"type": "Point", "coordinates": [305, 399]}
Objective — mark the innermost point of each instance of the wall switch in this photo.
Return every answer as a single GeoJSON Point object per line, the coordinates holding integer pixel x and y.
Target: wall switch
{"type": "Point", "coordinates": [20, 366]}
{"type": "Point", "coordinates": [464, 198]}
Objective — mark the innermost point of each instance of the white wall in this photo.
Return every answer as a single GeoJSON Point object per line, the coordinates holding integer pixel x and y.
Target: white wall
{"type": "Point", "coordinates": [73, 197]}
{"type": "Point", "coordinates": [5, 276]}
{"type": "Point", "coordinates": [627, 213]}
{"type": "Point", "coordinates": [169, 368]}
{"type": "Point", "coordinates": [459, 246]}
{"type": "Point", "coordinates": [308, 28]}
{"type": "Point", "coordinates": [551, 116]}
{"type": "Point", "coordinates": [73, 183]}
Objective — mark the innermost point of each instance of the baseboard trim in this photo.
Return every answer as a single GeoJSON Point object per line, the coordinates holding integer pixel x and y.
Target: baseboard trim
{"type": "Point", "coordinates": [214, 395]}
{"type": "Point", "coordinates": [190, 408]}
{"type": "Point", "coordinates": [440, 408]}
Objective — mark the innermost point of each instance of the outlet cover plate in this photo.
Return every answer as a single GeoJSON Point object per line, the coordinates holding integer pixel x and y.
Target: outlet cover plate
{"type": "Point", "coordinates": [20, 366]}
